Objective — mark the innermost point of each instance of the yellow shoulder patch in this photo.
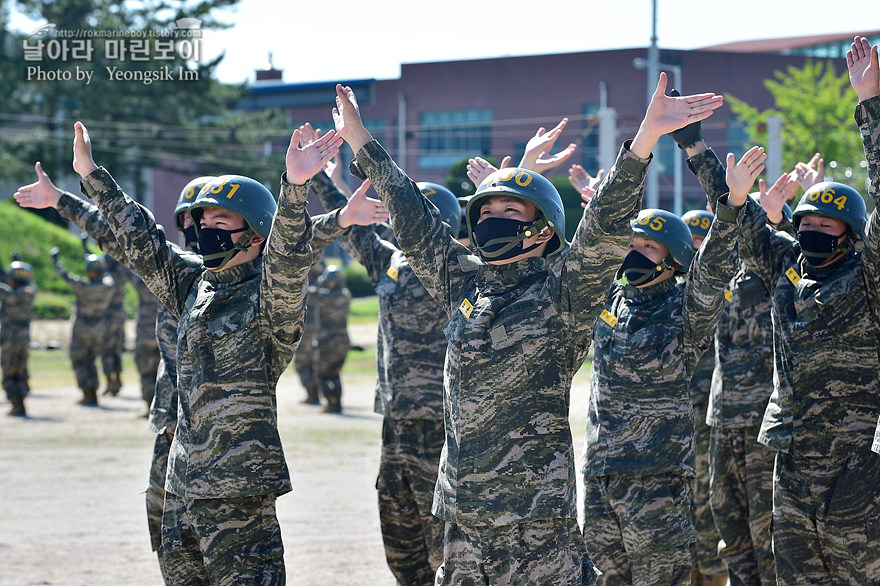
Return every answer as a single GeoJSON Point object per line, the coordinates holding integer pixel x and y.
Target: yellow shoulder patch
{"type": "Point", "coordinates": [608, 317]}
{"type": "Point", "coordinates": [793, 276]}
{"type": "Point", "coordinates": [728, 296]}
{"type": "Point", "coordinates": [392, 272]}
{"type": "Point", "coordinates": [466, 308]}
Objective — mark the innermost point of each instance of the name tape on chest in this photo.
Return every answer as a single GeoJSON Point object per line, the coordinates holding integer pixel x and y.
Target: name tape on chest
{"type": "Point", "coordinates": [793, 276]}
{"type": "Point", "coordinates": [608, 317]}
{"type": "Point", "coordinates": [466, 308]}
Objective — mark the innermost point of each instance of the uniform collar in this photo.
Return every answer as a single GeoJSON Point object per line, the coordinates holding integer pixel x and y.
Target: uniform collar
{"type": "Point", "coordinates": [651, 292]}
{"type": "Point", "coordinates": [237, 273]}
{"type": "Point", "coordinates": [820, 275]}
{"type": "Point", "coordinates": [499, 278]}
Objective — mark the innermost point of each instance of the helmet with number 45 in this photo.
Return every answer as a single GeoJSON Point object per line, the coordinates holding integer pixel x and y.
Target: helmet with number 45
{"type": "Point", "coordinates": [834, 200]}
{"type": "Point", "coordinates": [669, 230]}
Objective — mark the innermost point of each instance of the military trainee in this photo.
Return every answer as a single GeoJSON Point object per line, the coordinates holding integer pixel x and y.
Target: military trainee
{"type": "Point", "coordinates": [86, 338]}
{"type": "Point", "coordinates": [304, 359]}
{"type": "Point", "coordinates": [331, 303]}
{"type": "Point", "coordinates": [638, 461]}
{"type": "Point", "coordinates": [114, 326]}
{"type": "Point", "coordinates": [707, 566]}
{"type": "Point", "coordinates": [16, 309]}
{"type": "Point", "coordinates": [519, 329]}
{"type": "Point", "coordinates": [410, 352]}
{"type": "Point", "coordinates": [241, 317]}
{"type": "Point", "coordinates": [823, 409]}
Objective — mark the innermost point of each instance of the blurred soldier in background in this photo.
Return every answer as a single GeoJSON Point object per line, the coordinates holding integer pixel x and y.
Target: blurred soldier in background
{"type": "Point", "coordinates": [331, 338]}
{"type": "Point", "coordinates": [16, 308]}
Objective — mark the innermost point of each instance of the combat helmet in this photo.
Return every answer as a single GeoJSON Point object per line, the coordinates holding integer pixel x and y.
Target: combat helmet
{"type": "Point", "coordinates": [834, 200]}
{"type": "Point", "coordinates": [187, 196]}
{"type": "Point", "coordinates": [446, 202]}
{"type": "Point", "coordinates": [94, 264]}
{"type": "Point", "coordinates": [333, 275]}
{"type": "Point", "coordinates": [698, 222]}
{"type": "Point", "coordinates": [21, 271]}
{"type": "Point", "coordinates": [669, 230]}
{"type": "Point", "coordinates": [530, 186]}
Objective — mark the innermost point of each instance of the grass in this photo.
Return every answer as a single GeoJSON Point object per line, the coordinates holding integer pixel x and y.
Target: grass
{"type": "Point", "coordinates": [364, 310]}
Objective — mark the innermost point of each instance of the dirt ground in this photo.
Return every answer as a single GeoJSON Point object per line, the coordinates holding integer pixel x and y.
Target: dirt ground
{"type": "Point", "coordinates": [72, 483]}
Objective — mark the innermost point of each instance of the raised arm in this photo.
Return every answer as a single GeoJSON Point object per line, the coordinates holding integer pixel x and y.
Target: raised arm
{"type": "Point", "coordinates": [536, 156]}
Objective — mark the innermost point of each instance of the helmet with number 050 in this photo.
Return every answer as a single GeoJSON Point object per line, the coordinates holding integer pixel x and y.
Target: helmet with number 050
{"type": "Point", "coordinates": [21, 271]}
{"type": "Point", "coordinates": [669, 230]}
{"type": "Point", "coordinates": [530, 186]}
{"type": "Point", "coordinates": [248, 198]}
{"type": "Point", "coordinates": [446, 202]}
{"type": "Point", "coordinates": [187, 196]}
{"type": "Point", "coordinates": [698, 222]}
{"type": "Point", "coordinates": [834, 200]}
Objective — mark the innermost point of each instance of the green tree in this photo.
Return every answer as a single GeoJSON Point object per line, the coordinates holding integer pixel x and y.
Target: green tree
{"type": "Point", "coordinates": [815, 105]}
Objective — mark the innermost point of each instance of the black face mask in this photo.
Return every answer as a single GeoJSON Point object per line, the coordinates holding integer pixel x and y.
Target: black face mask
{"type": "Point", "coordinates": [638, 269]}
{"type": "Point", "coordinates": [216, 246]}
{"type": "Point", "coordinates": [819, 248]}
{"type": "Point", "coordinates": [190, 238]}
{"type": "Point", "coordinates": [502, 238]}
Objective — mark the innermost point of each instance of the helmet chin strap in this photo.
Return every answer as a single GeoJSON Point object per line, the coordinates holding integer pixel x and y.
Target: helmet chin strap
{"type": "Point", "coordinates": [538, 227]}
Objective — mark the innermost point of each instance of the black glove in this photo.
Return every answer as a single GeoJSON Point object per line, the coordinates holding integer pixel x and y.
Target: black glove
{"type": "Point", "coordinates": [689, 135]}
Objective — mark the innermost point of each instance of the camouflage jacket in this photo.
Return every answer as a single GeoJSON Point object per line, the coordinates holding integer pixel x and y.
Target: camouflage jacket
{"type": "Point", "coordinates": [331, 314]}
{"type": "Point", "coordinates": [410, 347]}
{"type": "Point", "coordinates": [16, 310]}
{"type": "Point", "coordinates": [163, 409]}
{"type": "Point", "coordinates": [701, 380]}
{"type": "Point", "coordinates": [646, 345]}
{"type": "Point", "coordinates": [743, 352]}
{"type": "Point", "coordinates": [517, 335]}
{"type": "Point", "coordinates": [148, 309]}
{"type": "Point", "coordinates": [121, 276]}
{"type": "Point", "coordinates": [826, 337]}
{"type": "Point", "coordinates": [92, 296]}
{"type": "Point", "coordinates": [238, 329]}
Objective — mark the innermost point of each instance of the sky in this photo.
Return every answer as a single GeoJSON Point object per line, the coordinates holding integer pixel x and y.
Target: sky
{"type": "Point", "coordinates": [328, 40]}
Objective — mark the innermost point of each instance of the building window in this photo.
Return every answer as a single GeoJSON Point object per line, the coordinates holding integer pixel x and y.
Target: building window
{"type": "Point", "coordinates": [449, 135]}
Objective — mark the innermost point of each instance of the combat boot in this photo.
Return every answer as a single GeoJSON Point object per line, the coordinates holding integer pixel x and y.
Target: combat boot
{"type": "Point", "coordinates": [334, 405]}
{"type": "Point", "coordinates": [114, 383]}
{"type": "Point", "coordinates": [311, 396]}
{"type": "Point", "coordinates": [90, 397]}
{"type": "Point", "coordinates": [17, 407]}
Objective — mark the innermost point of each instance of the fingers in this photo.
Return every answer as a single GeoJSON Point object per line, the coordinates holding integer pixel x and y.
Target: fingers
{"type": "Point", "coordinates": [661, 85]}
{"type": "Point", "coordinates": [505, 162]}
{"type": "Point", "coordinates": [762, 187]}
{"type": "Point", "coordinates": [294, 139]}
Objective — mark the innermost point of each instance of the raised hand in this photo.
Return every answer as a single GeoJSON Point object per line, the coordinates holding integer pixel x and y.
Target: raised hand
{"type": "Point", "coordinates": [809, 174]}
{"type": "Point", "coordinates": [864, 71]}
{"type": "Point", "coordinates": [583, 182]}
{"type": "Point", "coordinates": [304, 161]}
{"type": "Point", "coordinates": [83, 163]}
{"type": "Point", "coordinates": [539, 145]}
{"type": "Point", "coordinates": [741, 175]}
{"type": "Point", "coordinates": [479, 168]}
{"type": "Point", "coordinates": [774, 199]}
{"type": "Point", "coordinates": [39, 195]}
{"type": "Point", "coordinates": [362, 210]}
{"type": "Point", "coordinates": [347, 119]}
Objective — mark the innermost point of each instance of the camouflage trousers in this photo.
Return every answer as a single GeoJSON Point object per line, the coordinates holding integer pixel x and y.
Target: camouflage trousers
{"type": "Point", "coordinates": [741, 495]}
{"type": "Point", "coordinates": [329, 358]}
{"type": "Point", "coordinates": [222, 542]}
{"type": "Point", "coordinates": [704, 554]}
{"type": "Point", "coordinates": [638, 528]}
{"type": "Point", "coordinates": [156, 493]}
{"type": "Point", "coordinates": [146, 358]}
{"type": "Point", "coordinates": [825, 519]}
{"type": "Point", "coordinates": [548, 551]}
{"type": "Point", "coordinates": [413, 537]}
{"type": "Point", "coordinates": [85, 343]}
{"type": "Point", "coordinates": [13, 365]}
{"type": "Point", "coordinates": [114, 344]}
{"type": "Point", "coordinates": [304, 360]}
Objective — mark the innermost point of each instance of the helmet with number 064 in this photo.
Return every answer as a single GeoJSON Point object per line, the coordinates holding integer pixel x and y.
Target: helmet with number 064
{"type": "Point", "coordinates": [669, 230]}
{"type": "Point", "coordinates": [530, 186]}
{"type": "Point", "coordinates": [248, 198]}
{"type": "Point", "coordinates": [834, 200]}
{"type": "Point", "coordinates": [698, 221]}
{"type": "Point", "coordinates": [446, 202]}
{"type": "Point", "coordinates": [187, 196]}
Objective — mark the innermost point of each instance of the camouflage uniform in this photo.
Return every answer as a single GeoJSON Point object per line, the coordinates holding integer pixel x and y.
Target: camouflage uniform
{"type": "Point", "coordinates": [146, 346]}
{"type": "Point", "coordinates": [114, 327]}
{"type": "Point", "coordinates": [639, 450]}
{"type": "Point", "coordinates": [823, 409]}
{"type": "Point", "coordinates": [741, 468]}
{"type": "Point", "coordinates": [704, 553]}
{"type": "Point", "coordinates": [237, 333]}
{"type": "Point", "coordinates": [331, 338]}
{"type": "Point", "coordinates": [16, 310]}
{"type": "Point", "coordinates": [86, 339]}
{"type": "Point", "coordinates": [517, 335]}
{"type": "Point", "coordinates": [304, 359]}
{"type": "Point", "coordinates": [410, 351]}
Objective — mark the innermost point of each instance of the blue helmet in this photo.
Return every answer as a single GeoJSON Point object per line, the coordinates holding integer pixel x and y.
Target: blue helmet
{"type": "Point", "coordinates": [669, 230]}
